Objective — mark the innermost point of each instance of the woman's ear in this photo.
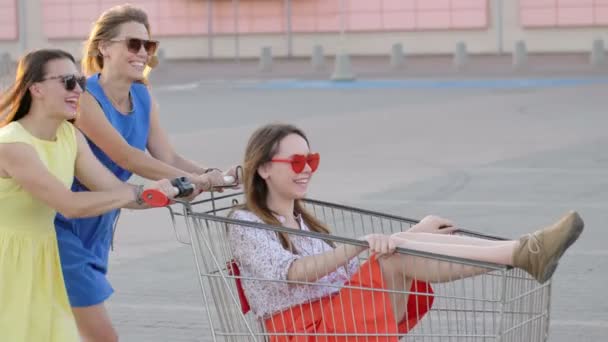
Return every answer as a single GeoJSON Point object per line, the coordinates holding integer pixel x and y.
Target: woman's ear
{"type": "Point", "coordinates": [35, 90]}
{"type": "Point", "coordinates": [103, 49]}
{"type": "Point", "coordinates": [263, 171]}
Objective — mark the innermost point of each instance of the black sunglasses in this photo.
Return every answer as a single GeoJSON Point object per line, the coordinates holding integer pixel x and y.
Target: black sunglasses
{"type": "Point", "coordinates": [135, 44]}
{"type": "Point", "coordinates": [70, 81]}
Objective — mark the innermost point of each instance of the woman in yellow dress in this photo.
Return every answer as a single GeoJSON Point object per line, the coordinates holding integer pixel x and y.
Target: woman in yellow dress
{"type": "Point", "coordinates": [40, 153]}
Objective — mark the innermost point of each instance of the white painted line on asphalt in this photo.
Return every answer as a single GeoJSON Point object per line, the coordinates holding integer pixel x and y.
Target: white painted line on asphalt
{"type": "Point", "coordinates": [178, 87]}
{"type": "Point", "coordinates": [217, 82]}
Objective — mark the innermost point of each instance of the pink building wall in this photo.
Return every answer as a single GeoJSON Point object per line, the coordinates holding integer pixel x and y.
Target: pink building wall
{"type": "Point", "coordinates": [73, 18]}
{"type": "Point", "coordinates": [563, 13]}
{"type": "Point", "coordinates": [8, 20]}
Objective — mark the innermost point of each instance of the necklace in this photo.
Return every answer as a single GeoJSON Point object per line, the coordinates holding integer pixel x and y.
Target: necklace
{"type": "Point", "coordinates": [119, 108]}
{"type": "Point", "coordinates": [116, 105]}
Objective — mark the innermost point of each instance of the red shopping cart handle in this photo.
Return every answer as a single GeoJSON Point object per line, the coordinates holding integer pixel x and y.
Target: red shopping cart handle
{"type": "Point", "coordinates": [155, 198]}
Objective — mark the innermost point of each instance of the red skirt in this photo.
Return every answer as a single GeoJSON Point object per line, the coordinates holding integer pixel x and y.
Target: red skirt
{"type": "Point", "coordinates": [352, 311]}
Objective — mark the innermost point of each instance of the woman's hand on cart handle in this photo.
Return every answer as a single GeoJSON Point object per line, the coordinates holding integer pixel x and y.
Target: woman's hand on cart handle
{"type": "Point", "coordinates": [164, 191]}
{"type": "Point", "coordinates": [232, 179]}
{"type": "Point", "coordinates": [215, 180]}
{"type": "Point", "coordinates": [178, 188]}
{"type": "Point", "coordinates": [381, 244]}
{"type": "Point", "coordinates": [434, 225]}
{"type": "Point", "coordinates": [159, 194]}
{"type": "Point", "coordinates": [236, 176]}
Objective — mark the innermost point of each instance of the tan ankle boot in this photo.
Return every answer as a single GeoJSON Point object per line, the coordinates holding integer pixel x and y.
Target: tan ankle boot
{"type": "Point", "coordinates": [539, 253]}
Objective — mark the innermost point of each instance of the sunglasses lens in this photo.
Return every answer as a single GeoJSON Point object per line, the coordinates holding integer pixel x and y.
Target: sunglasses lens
{"type": "Point", "coordinates": [298, 163]}
{"type": "Point", "coordinates": [150, 47]}
{"type": "Point", "coordinates": [69, 83]}
{"type": "Point", "coordinates": [82, 82]}
{"type": "Point", "coordinates": [134, 45]}
{"type": "Point", "coordinates": [313, 161]}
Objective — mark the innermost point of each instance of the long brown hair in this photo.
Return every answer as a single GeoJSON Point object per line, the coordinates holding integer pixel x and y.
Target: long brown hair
{"type": "Point", "coordinates": [17, 101]}
{"type": "Point", "coordinates": [261, 148]}
{"type": "Point", "coordinates": [107, 27]}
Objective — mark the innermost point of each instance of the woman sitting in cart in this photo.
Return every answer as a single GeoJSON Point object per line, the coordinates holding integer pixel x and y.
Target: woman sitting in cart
{"type": "Point", "coordinates": [278, 167]}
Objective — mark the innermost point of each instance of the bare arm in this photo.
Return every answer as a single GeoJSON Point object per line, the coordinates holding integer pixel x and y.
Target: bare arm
{"type": "Point", "coordinates": [160, 147]}
{"type": "Point", "coordinates": [95, 176]}
{"type": "Point", "coordinates": [94, 124]}
{"type": "Point", "coordinates": [254, 248]}
{"type": "Point", "coordinates": [20, 161]}
{"type": "Point", "coordinates": [314, 267]}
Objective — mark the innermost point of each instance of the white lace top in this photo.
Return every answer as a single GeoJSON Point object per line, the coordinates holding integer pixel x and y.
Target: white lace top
{"type": "Point", "coordinates": [259, 254]}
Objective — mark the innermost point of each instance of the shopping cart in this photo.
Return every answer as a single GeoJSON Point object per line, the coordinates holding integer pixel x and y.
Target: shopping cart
{"type": "Point", "coordinates": [501, 304]}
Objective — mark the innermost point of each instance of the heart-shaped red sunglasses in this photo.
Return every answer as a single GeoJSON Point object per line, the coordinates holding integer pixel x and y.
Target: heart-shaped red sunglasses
{"type": "Point", "coordinates": [298, 161]}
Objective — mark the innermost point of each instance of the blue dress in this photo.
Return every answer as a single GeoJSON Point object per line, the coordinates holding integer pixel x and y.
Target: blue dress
{"type": "Point", "coordinates": [84, 243]}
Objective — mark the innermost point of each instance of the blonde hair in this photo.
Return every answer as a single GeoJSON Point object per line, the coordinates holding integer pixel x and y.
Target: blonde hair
{"type": "Point", "coordinates": [107, 27]}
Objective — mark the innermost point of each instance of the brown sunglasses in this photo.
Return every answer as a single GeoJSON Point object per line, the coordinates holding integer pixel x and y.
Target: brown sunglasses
{"type": "Point", "coordinates": [135, 44]}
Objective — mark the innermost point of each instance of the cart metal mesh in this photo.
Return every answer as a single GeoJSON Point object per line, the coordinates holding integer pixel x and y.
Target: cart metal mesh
{"type": "Point", "coordinates": [499, 304]}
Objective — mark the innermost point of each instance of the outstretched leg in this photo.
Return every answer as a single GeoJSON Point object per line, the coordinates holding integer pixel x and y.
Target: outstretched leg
{"type": "Point", "coordinates": [450, 239]}
{"type": "Point", "coordinates": [536, 253]}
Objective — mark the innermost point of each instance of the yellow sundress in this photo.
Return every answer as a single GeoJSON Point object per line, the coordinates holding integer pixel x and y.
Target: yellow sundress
{"type": "Point", "coordinates": [33, 301]}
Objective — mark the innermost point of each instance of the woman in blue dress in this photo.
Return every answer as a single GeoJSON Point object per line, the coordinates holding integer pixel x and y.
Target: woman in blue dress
{"type": "Point", "coordinates": [120, 120]}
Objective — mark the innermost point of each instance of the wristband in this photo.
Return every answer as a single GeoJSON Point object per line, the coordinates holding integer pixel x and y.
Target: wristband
{"type": "Point", "coordinates": [139, 189]}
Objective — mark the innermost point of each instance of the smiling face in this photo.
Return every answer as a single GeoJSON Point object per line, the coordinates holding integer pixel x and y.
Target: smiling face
{"type": "Point", "coordinates": [279, 174]}
{"type": "Point", "coordinates": [128, 52]}
{"type": "Point", "coordinates": [60, 90]}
